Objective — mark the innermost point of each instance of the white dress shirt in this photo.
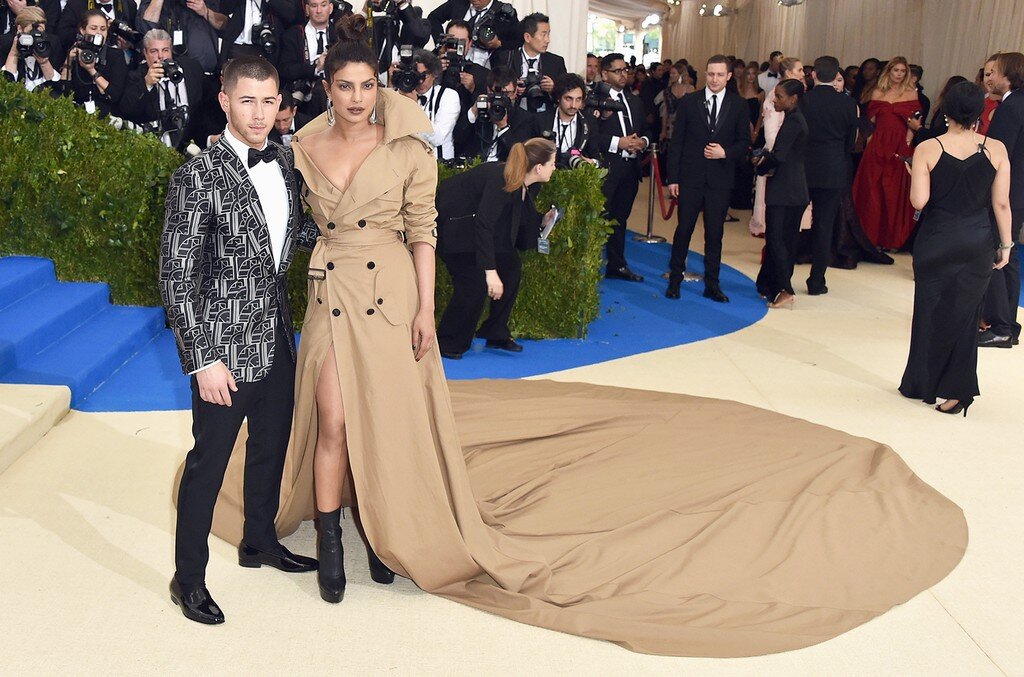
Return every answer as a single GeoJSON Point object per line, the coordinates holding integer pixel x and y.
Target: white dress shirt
{"type": "Point", "coordinates": [272, 192]}
{"type": "Point", "coordinates": [481, 57]}
{"type": "Point", "coordinates": [442, 106]}
{"type": "Point", "coordinates": [709, 104]}
{"type": "Point", "coordinates": [767, 80]}
{"type": "Point", "coordinates": [33, 72]}
{"type": "Point", "coordinates": [565, 133]}
{"type": "Point", "coordinates": [178, 95]}
{"type": "Point", "coordinates": [253, 15]}
{"type": "Point", "coordinates": [312, 41]}
{"type": "Point", "coordinates": [613, 147]}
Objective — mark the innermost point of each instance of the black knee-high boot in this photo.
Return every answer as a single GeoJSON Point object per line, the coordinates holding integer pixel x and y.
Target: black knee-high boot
{"type": "Point", "coordinates": [379, 572]}
{"type": "Point", "coordinates": [331, 574]}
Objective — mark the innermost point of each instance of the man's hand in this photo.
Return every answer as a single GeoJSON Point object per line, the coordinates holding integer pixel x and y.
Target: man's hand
{"type": "Point", "coordinates": [714, 151]}
{"type": "Point", "coordinates": [423, 333]}
{"type": "Point", "coordinates": [154, 75]}
{"type": "Point", "coordinates": [673, 190]}
{"type": "Point", "coordinates": [468, 81]}
{"type": "Point", "coordinates": [320, 63]}
{"type": "Point", "coordinates": [495, 287]}
{"type": "Point", "coordinates": [216, 384]}
{"type": "Point", "coordinates": [198, 6]}
{"type": "Point", "coordinates": [547, 84]}
{"type": "Point", "coordinates": [495, 43]}
{"type": "Point", "coordinates": [16, 6]}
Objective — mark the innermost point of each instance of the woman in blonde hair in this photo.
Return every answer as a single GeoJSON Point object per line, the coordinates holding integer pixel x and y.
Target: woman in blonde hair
{"type": "Point", "coordinates": [881, 190]}
{"type": "Point", "coordinates": [485, 216]}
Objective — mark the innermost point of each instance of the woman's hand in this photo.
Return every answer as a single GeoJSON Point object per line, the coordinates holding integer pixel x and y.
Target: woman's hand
{"type": "Point", "coordinates": [1004, 258]}
{"type": "Point", "coordinates": [495, 287]}
{"type": "Point", "coordinates": [423, 333]}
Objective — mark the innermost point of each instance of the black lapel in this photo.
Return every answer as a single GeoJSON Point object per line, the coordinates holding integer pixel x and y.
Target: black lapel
{"type": "Point", "coordinates": [721, 111]}
{"type": "Point", "coordinates": [705, 109]}
{"type": "Point", "coordinates": [294, 214]}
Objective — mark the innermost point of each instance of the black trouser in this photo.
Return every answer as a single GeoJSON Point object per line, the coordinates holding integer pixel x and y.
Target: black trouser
{"type": "Point", "coordinates": [620, 189]}
{"type": "Point", "coordinates": [714, 202]}
{"type": "Point", "coordinates": [780, 236]}
{"type": "Point", "coordinates": [1003, 294]}
{"type": "Point", "coordinates": [267, 404]}
{"type": "Point", "coordinates": [823, 229]}
{"type": "Point", "coordinates": [469, 282]}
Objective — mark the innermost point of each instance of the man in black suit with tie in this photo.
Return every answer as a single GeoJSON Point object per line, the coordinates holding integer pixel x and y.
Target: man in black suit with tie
{"type": "Point", "coordinates": [565, 124]}
{"type": "Point", "coordinates": [1003, 295]}
{"type": "Point", "coordinates": [711, 133]}
{"type": "Point", "coordinates": [622, 137]}
{"type": "Point", "coordinates": [536, 66]}
{"type": "Point", "coordinates": [501, 16]}
{"type": "Point", "coordinates": [304, 47]}
{"type": "Point", "coordinates": [240, 37]}
{"type": "Point", "coordinates": [233, 221]}
{"type": "Point", "coordinates": [832, 130]}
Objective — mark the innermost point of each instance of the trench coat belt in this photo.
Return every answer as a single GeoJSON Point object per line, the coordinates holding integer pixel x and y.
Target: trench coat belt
{"type": "Point", "coordinates": [352, 238]}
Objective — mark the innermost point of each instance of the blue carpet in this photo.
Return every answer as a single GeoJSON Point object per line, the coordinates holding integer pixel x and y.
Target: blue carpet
{"type": "Point", "coordinates": [121, 359]}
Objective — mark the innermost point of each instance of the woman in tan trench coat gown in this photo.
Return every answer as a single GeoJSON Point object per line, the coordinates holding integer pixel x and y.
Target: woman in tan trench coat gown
{"type": "Point", "coordinates": [665, 523]}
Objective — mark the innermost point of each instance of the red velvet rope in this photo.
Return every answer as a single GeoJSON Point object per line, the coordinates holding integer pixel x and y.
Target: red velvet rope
{"type": "Point", "coordinates": [666, 211]}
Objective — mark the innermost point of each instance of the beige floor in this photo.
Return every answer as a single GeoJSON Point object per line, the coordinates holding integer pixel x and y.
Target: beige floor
{"type": "Point", "coordinates": [87, 523]}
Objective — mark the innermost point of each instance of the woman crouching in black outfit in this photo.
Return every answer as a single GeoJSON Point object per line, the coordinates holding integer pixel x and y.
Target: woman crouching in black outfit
{"type": "Point", "coordinates": [96, 74]}
{"type": "Point", "coordinates": [485, 216]}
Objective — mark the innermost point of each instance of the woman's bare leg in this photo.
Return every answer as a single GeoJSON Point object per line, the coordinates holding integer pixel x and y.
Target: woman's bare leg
{"type": "Point", "coordinates": [330, 458]}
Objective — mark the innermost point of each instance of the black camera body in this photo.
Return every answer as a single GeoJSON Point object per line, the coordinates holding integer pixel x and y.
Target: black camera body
{"type": "Point", "coordinates": [341, 10]}
{"type": "Point", "coordinates": [35, 43]}
{"type": "Point", "coordinates": [302, 90]}
{"type": "Point", "coordinates": [531, 83]}
{"type": "Point", "coordinates": [600, 99]}
{"type": "Point", "coordinates": [90, 49]}
{"type": "Point", "coordinates": [407, 77]}
{"type": "Point", "coordinates": [493, 107]}
{"type": "Point", "coordinates": [487, 28]}
{"type": "Point", "coordinates": [454, 50]}
{"type": "Point", "coordinates": [121, 29]}
{"type": "Point", "coordinates": [388, 7]}
{"type": "Point", "coordinates": [174, 119]}
{"type": "Point", "coordinates": [172, 71]}
{"type": "Point", "coordinates": [263, 37]}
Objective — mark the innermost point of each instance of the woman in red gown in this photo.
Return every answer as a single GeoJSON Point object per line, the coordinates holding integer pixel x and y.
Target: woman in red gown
{"type": "Point", "coordinates": [881, 190]}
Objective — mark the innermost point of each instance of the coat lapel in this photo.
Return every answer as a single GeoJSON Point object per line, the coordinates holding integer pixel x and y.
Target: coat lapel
{"type": "Point", "coordinates": [294, 214]}
{"type": "Point", "coordinates": [726, 103]}
{"type": "Point", "coordinates": [704, 109]}
{"type": "Point", "coordinates": [255, 227]}
{"type": "Point", "coordinates": [374, 177]}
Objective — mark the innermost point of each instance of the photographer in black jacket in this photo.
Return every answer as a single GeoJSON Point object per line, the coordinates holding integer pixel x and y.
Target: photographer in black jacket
{"type": "Point", "coordinates": [536, 66]}
{"type": "Point", "coordinates": [494, 122]}
{"type": "Point", "coordinates": [567, 125]}
{"type": "Point", "coordinates": [69, 26]}
{"type": "Point", "coordinates": [493, 25]}
{"type": "Point", "coordinates": [32, 63]}
{"type": "Point", "coordinates": [95, 70]}
{"type": "Point", "coordinates": [194, 27]}
{"type": "Point", "coordinates": [255, 27]}
{"type": "Point", "coordinates": [303, 51]}
{"type": "Point", "coordinates": [461, 74]}
{"type": "Point", "coordinates": [396, 23]}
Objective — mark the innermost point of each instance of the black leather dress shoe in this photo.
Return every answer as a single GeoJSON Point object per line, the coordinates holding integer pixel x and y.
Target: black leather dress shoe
{"type": "Point", "coordinates": [505, 344]}
{"type": "Point", "coordinates": [673, 288]}
{"type": "Point", "coordinates": [281, 559]}
{"type": "Point", "coordinates": [987, 339]}
{"type": "Point", "coordinates": [196, 604]}
{"type": "Point", "coordinates": [715, 294]}
{"type": "Point", "coordinates": [451, 356]}
{"type": "Point", "coordinates": [623, 273]}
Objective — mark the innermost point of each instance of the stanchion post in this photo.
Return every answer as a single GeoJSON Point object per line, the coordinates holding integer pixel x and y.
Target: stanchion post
{"type": "Point", "coordinates": [650, 237]}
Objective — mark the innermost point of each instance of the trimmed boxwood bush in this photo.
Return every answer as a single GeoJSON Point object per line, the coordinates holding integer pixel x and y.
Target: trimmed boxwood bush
{"type": "Point", "coordinates": [90, 197]}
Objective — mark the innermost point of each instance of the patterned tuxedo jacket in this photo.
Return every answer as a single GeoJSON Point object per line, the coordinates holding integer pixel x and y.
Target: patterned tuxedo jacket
{"type": "Point", "coordinates": [218, 281]}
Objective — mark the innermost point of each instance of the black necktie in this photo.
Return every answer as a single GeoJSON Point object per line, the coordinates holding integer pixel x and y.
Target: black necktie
{"type": "Point", "coordinates": [530, 63]}
{"type": "Point", "coordinates": [268, 154]}
{"type": "Point", "coordinates": [713, 115]}
{"type": "Point", "coordinates": [625, 116]}
{"type": "Point", "coordinates": [319, 43]}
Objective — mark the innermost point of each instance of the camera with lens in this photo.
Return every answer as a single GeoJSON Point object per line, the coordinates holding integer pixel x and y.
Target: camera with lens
{"type": "Point", "coordinates": [407, 76]}
{"type": "Point", "coordinates": [121, 29]}
{"type": "Point", "coordinates": [36, 44]}
{"type": "Point", "coordinates": [89, 49]}
{"type": "Point", "coordinates": [454, 50]}
{"type": "Point", "coordinates": [531, 83]}
{"type": "Point", "coordinates": [600, 99]}
{"type": "Point", "coordinates": [455, 163]}
{"type": "Point", "coordinates": [174, 119]}
{"type": "Point", "coordinates": [341, 10]}
{"type": "Point", "coordinates": [576, 160]}
{"type": "Point", "coordinates": [172, 71]}
{"type": "Point", "coordinates": [487, 28]}
{"type": "Point", "coordinates": [388, 7]}
{"type": "Point", "coordinates": [493, 107]}
{"type": "Point", "coordinates": [264, 38]}
{"type": "Point", "coordinates": [302, 90]}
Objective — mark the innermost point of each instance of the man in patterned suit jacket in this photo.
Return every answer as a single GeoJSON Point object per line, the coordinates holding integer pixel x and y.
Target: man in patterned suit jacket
{"type": "Point", "coordinates": [232, 223]}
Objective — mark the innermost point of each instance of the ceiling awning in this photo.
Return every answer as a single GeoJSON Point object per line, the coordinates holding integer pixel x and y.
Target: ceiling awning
{"type": "Point", "coordinates": [628, 10]}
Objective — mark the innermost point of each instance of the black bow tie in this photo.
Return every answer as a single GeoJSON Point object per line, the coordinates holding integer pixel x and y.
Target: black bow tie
{"type": "Point", "coordinates": [772, 75]}
{"type": "Point", "coordinates": [106, 7]}
{"type": "Point", "coordinates": [422, 99]}
{"type": "Point", "coordinates": [268, 154]}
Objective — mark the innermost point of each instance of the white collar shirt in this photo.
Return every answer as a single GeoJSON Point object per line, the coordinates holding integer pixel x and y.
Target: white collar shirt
{"type": "Point", "coordinates": [565, 133]}
{"type": "Point", "coordinates": [253, 15]}
{"type": "Point", "coordinates": [312, 42]}
{"type": "Point", "coordinates": [443, 107]}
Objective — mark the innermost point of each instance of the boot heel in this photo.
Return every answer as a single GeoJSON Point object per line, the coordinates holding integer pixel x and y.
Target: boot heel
{"type": "Point", "coordinates": [331, 596]}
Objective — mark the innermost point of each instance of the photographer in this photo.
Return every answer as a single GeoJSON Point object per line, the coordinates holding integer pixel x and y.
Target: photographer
{"type": "Point", "coordinates": [288, 121]}
{"type": "Point", "coordinates": [31, 51]}
{"type": "Point", "coordinates": [10, 9]}
{"type": "Point", "coordinates": [440, 103]}
{"type": "Point", "coordinates": [461, 74]}
{"type": "Point", "coordinates": [255, 27]}
{"type": "Point", "coordinates": [537, 68]}
{"type": "Point", "coordinates": [194, 27]}
{"type": "Point", "coordinates": [566, 125]}
{"type": "Point", "coordinates": [303, 51]}
{"type": "Point", "coordinates": [166, 94]}
{"type": "Point", "coordinates": [593, 71]}
{"type": "Point", "coordinates": [493, 25]}
{"type": "Point", "coordinates": [395, 23]}
{"type": "Point", "coordinates": [69, 26]}
{"type": "Point", "coordinates": [95, 70]}
{"type": "Point", "coordinates": [485, 217]}
{"type": "Point", "coordinates": [495, 123]}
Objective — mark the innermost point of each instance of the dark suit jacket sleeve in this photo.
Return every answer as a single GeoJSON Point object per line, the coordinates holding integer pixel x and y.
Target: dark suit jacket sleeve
{"type": "Point", "coordinates": [783, 147]}
{"type": "Point", "coordinates": [116, 73]}
{"type": "Point", "coordinates": [308, 231]}
{"type": "Point", "coordinates": [415, 30]}
{"type": "Point", "coordinates": [737, 150]}
{"type": "Point", "coordinates": [292, 64]}
{"type": "Point", "coordinates": [488, 213]}
{"type": "Point", "coordinates": [187, 216]}
{"type": "Point", "coordinates": [1006, 124]}
{"type": "Point", "coordinates": [136, 100]}
{"type": "Point", "coordinates": [67, 27]}
{"type": "Point", "coordinates": [288, 10]}
{"type": "Point", "coordinates": [439, 17]}
{"type": "Point", "coordinates": [675, 145]}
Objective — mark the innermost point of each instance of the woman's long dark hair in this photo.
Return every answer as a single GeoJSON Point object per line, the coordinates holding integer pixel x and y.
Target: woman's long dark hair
{"type": "Point", "coordinates": [955, 80]}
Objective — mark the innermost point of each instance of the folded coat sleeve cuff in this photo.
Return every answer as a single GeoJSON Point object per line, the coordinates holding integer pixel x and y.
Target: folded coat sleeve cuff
{"type": "Point", "coordinates": [418, 209]}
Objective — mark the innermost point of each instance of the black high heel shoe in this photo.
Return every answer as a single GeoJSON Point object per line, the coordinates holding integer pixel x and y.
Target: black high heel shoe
{"type": "Point", "coordinates": [379, 572]}
{"type": "Point", "coordinates": [331, 553]}
{"type": "Point", "coordinates": [962, 405]}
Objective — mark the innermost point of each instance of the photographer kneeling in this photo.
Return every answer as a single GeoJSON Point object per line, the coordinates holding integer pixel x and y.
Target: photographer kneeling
{"type": "Point", "coordinates": [494, 123]}
{"type": "Point", "coordinates": [31, 51]}
{"type": "Point", "coordinates": [484, 216]}
{"type": "Point", "coordinates": [95, 70]}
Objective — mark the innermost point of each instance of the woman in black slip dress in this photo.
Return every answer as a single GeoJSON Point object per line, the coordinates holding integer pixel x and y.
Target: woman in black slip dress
{"type": "Point", "coordinates": [957, 178]}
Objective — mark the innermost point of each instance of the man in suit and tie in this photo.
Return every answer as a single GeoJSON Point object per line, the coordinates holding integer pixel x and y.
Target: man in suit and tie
{"type": "Point", "coordinates": [1003, 295]}
{"type": "Point", "coordinates": [233, 221]}
{"type": "Point", "coordinates": [711, 134]}
{"type": "Point", "coordinates": [489, 134]}
{"type": "Point", "coordinates": [773, 76]}
{"type": "Point", "coordinates": [565, 124]}
{"type": "Point", "coordinates": [493, 14]}
{"type": "Point", "coordinates": [832, 130]}
{"type": "Point", "coordinates": [304, 48]}
{"type": "Point", "coordinates": [622, 137]}
{"type": "Point", "coordinates": [536, 67]}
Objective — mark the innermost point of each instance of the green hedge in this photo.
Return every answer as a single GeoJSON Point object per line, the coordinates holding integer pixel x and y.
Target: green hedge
{"type": "Point", "coordinates": [90, 197]}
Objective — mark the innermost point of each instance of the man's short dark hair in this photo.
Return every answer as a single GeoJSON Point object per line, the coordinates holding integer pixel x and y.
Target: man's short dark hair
{"type": "Point", "coordinates": [566, 83]}
{"type": "Point", "coordinates": [1011, 65]}
{"type": "Point", "coordinates": [591, 55]}
{"type": "Point", "coordinates": [252, 67]}
{"type": "Point", "coordinates": [827, 68]}
{"type": "Point", "coordinates": [287, 101]}
{"type": "Point", "coordinates": [530, 23]}
{"type": "Point", "coordinates": [458, 23]}
{"type": "Point", "coordinates": [429, 60]}
{"type": "Point", "coordinates": [500, 77]}
{"type": "Point", "coordinates": [916, 71]}
{"type": "Point", "coordinates": [775, 54]}
{"type": "Point", "coordinates": [609, 59]}
{"type": "Point", "coordinates": [722, 59]}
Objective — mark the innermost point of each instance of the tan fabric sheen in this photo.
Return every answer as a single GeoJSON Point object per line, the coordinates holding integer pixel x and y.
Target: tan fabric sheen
{"type": "Point", "coordinates": [665, 523]}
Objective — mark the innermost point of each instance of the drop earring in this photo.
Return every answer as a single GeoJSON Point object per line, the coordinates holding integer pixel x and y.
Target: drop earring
{"type": "Point", "coordinates": [373, 114]}
{"type": "Point", "coordinates": [330, 113]}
